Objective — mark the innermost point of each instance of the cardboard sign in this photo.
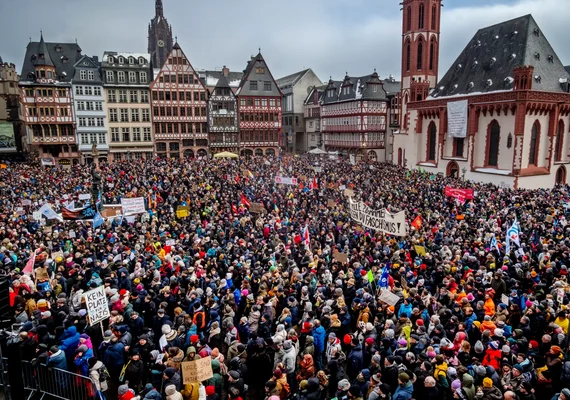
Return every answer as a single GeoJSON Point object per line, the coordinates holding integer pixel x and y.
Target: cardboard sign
{"type": "Point", "coordinates": [420, 250]}
{"type": "Point", "coordinates": [170, 242]}
{"type": "Point", "coordinates": [349, 193]}
{"type": "Point", "coordinates": [37, 215]}
{"type": "Point", "coordinates": [26, 202]}
{"type": "Point", "coordinates": [549, 218]}
{"type": "Point", "coordinates": [97, 306]}
{"type": "Point", "coordinates": [340, 257]}
{"type": "Point", "coordinates": [257, 208]}
{"type": "Point", "coordinates": [341, 187]}
{"type": "Point", "coordinates": [197, 371]}
{"type": "Point", "coordinates": [331, 203]}
{"type": "Point", "coordinates": [389, 298]}
{"type": "Point", "coordinates": [505, 299]}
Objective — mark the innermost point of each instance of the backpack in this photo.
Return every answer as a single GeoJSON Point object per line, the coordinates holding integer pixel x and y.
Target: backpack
{"type": "Point", "coordinates": [103, 374]}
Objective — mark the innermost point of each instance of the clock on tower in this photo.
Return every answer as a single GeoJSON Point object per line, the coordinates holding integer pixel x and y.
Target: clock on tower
{"type": "Point", "coordinates": [161, 43]}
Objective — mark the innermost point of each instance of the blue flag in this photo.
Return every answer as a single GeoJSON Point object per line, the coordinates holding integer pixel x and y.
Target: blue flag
{"type": "Point", "coordinates": [383, 282]}
{"type": "Point", "coordinates": [97, 220]}
{"type": "Point", "coordinates": [494, 242]}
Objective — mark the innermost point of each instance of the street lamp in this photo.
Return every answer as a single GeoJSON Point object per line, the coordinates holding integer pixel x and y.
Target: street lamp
{"type": "Point", "coordinates": [464, 170]}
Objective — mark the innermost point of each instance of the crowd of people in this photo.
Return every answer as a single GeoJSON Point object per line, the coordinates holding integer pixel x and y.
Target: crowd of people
{"type": "Point", "coordinates": [264, 293]}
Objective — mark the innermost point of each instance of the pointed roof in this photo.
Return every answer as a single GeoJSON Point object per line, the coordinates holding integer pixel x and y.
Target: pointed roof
{"type": "Point", "coordinates": [62, 56]}
{"type": "Point", "coordinates": [488, 61]}
{"type": "Point", "coordinates": [264, 76]}
{"type": "Point", "coordinates": [292, 79]}
{"type": "Point", "coordinates": [176, 46]}
{"type": "Point", "coordinates": [367, 87]}
{"type": "Point", "coordinates": [249, 67]}
{"type": "Point", "coordinates": [42, 57]}
{"type": "Point", "coordinates": [158, 8]}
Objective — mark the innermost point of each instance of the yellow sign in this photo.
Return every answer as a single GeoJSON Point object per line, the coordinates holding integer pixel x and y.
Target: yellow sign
{"type": "Point", "coordinates": [420, 250]}
{"type": "Point", "coordinates": [182, 213]}
{"type": "Point", "coordinates": [3, 166]}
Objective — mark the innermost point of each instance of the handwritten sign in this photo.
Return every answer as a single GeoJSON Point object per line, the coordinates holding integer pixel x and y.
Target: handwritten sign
{"type": "Point", "coordinates": [197, 371]}
{"type": "Point", "coordinates": [389, 298]}
{"type": "Point", "coordinates": [505, 299]}
{"type": "Point", "coordinates": [97, 306]}
{"type": "Point", "coordinates": [420, 250]}
{"type": "Point", "coordinates": [257, 208]}
{"type": "Point", "coordinates": [133, 205]}
{"type": "Point", "coordinates": [182, 213]}
{"type": "Point", "coordinates": [26, 203]}
{"type": "Point", "coordinates": [340, 257]}
{"type": "Point", "coordinates": [349, 193]}
{"type": "Point", "coordinates": [331, 203]}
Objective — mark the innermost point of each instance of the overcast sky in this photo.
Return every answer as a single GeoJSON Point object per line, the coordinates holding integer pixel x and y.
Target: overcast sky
{"type": "Point", "coordinates": [330, 36]}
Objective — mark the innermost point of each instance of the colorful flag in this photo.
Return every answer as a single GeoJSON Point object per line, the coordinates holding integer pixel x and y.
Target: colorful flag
{"type": "Point", "coordinates": [494, 242]}
{"type": "Point", "coordinates": [305, 236]}
{"type": "Point", "coordinates": [370, 276]}
{"type": "Point", "coordinates": [314, 184]}
{"type": "Point", "coordinates": [383, 282]}
{"type": "Point", "coordinates": [48, 212]}
{"type": "Point", "coordinates": [417, 223]}
{"type": "Point", "coordinates": [276, 208]}
{"type": "Point", "coordinates": [513, 233]}
{"type": "Point", "coordinates": [234, 209]}
{"type": "Point", "coordinates": [87, 212]}
{"type": "Point", "coordinates": [97, 220]}
{"type": "Point", "coordinates": [29, 268]}
{"type": "Point", "coordinates": [244, 200]}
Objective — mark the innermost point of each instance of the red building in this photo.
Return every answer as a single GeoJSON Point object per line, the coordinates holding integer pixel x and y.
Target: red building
{"type": "Point", "coordinates": [45, 84]}
{"type": "Point", "coordinates": [178, 101]}
{"type": "Point", "coordinates": [259, 108]}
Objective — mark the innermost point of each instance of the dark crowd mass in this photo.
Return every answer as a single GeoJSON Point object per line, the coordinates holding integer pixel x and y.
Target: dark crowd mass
{"type": "Point", "coordinates": [287, 301]}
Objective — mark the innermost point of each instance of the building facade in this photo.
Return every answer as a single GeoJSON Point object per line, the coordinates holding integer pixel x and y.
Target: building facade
{"type": "Point", "coordinates": [126, 78]}
{"type": "Point", "coordinates": [354, 117]}
{"type": "Point", "coordinates": [160, 41]}
{"type": "Point", "coordinates": [294, 88]}
{"type": "Point", "coordinates": [312, 118]}
{"type": "Point", "coordinates": [47, 104]}
{"type": "Point", "coordinates": [223, 124]}
{"type": "Point", "coordinates": [89, 105]}
{"type": "Point", "coordinates": [501, 113]}
{"type": "Point", "coordinates": [260, 110]}
{"type": "Point", "coordinates": [10, 111]}
{"type": "Point", "coordinates": [179, 109]}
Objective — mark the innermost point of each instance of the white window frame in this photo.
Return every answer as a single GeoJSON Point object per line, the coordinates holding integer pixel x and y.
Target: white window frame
{"type": "Point", "coordinates": [121, 78]}
{"type": "Point", "coordinates": [147, 137]}
{"type": "Point", "coordinates": [142, 61]}
{"type": "Point", "coordinates": [110, 77]}
{"type": "Point", "coordinates": [83, 75]}
{"type": "Point", "coordinates": [135, 115]}
{"type": "Point", "coordinates": [79, 90]}
{"type": "Point", "coordinates": [142, 76]}
{"type": "Point", "coordinates": [136, 134]}
{"type": "Point", "coordinates": [132, 77]}
{"type": "Point", "coordinates": [145, 115]}
{"type": "Point", "coordinates": [91, 75]}
{"type": "Point", "coordinates": [115, 136]}
{"type": "Point", "coordinates": [97, 91]}
{"type": "Point", "coordinates": [121, 60]}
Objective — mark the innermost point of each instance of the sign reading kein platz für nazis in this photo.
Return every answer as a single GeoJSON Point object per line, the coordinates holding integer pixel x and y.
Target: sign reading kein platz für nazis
{"type": "Point", "coordinates": [97, 306]}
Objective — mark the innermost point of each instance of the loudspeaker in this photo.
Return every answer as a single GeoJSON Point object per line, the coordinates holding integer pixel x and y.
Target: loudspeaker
{"type": "Point", "coordinates": [6, 314]}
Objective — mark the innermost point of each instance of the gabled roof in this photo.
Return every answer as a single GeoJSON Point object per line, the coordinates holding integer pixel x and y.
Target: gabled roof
{"type": "Point", "coordinates": [487, 63]}
{"type": "Point", "coordinates": [291, 79]}
{"type": "Point", "coordinates": [43, 57]}
{"type": "Point", "coordinates": [166, 67]}
{"type": "Point", "coordinates": [62, 56]}
{"type": "Point", "coordinates": [567, 68]}
{"type": "Point", "coordinates": [86, 62]}
{"type": "Point", "coordinates": [309, 100]}
{"type": "Point", "coordinates": [212, 78]}
{"type": "Point", "coordinates": [367, 87]}
{"type": "Point", "coordinates": [264, 76]}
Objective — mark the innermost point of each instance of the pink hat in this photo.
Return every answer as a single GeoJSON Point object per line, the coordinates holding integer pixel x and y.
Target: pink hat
{"type": "Point", "coordinates": [402, 342]}
{"type": "Point", "coordinates": [244, 292]}
{"type": "Point", "coordinates": [470, 297]}
{"type": "Point", "coordinates": [431, 354]}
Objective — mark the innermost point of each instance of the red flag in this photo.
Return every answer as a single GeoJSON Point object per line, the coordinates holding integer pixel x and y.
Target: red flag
{"type": "Point", "coordinates": [238, 179]}
{"type": "Point", "coordinates": [244, 200]}
{"type": "Point", "coordinates": [306, 238]}
{"type": "Point", "coordinates": [417, 223]}
{"type": "Point", "coordinates": [234, 209]}
{"type": "Point", "coordinates": [314, 184]}
{"type": "Point", "coordinates": [29, 268]}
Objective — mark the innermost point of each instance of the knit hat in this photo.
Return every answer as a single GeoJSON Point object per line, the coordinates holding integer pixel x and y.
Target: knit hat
{"type": "Point", "coordinates": [332, 335]}
{"type": "Point", "coordinates": [487, 382]}
{"type": "Point", "coordinates": [355, 391]}
{"type": "Point", "coordinates": [533, 344]}
{"type": "Point", "coordinates": [402, 342]}
{"type": "Point", "coordinates": [506, 349]}
{"type": "Point", "coordinates": [566, 393]}
{"type": "Point", "coordinates": [170, 390]}
{"type": "Point", "coordinates": [287, 345]}
{"type": "Point", "coordinates": [480, 370]}
{"type": "Point", "coordinates": [169, 372]}
{"type": "Point", "coordinates": [123, 389]}
{"type": "Point", "coordinates": [171, 335]}
{"type": "Point", "coordinates": [277, 373]}
{"type": "Point", "coordinates": [369, 341]}
{"type": "Point", "coordinates": [555, 349]}
{"type": "Point", "coordinates": [420, 322]}
{"type": "Point", "coordinates": [82, 349]}
{"type": "Point", "coordinates": [166, 329]}
{"type": "Point", "coordinates": [479, 347]}
{"type": "Point", "coordinates": [343, 385]}
{"type": "Point", "coordinates": [518, 367]}
{"type": "Point", "coordinates": [369, 327]}
{"type": "Point", "coordinates": [194, 339]}
{"type": "Point", "coordinates": [210, 390]}
{"type": "Point", "coordinates": [494, 345]}
{"type": "Point", "coordinates": [235, 374]}
{"type": "Point", "coordinates": [456, 384]}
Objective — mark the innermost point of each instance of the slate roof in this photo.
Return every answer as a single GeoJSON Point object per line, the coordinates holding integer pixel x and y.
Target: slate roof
{"type": "Point", "coordinates": [291, 79]}
{"type": "Point", "coordinates": [487, 62]}
{"type": "Point", "coordinates": [567, 68]}
{"type": "Point", "coordinates": [264, 76]}
{"type": "Point", "coordinates": [320, 90]}
{"type": "Point", "coordinates": [361, 88]}
{"type": "Point", "coordinates": [212, 79]}
{"type": "Point", "coordinates": [63, 60]}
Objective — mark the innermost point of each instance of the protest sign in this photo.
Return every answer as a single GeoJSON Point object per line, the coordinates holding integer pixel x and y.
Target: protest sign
{"type": "Point", "coordinates": [420, 250]}
{"type": "Point", "coordinates": [170, 242]}
{"type": "Point", "coordinates": [331, 203]}
{"type": "Point", "coordinates": [340, 257]}
{"type": "Point", "coordinates": [26, 203]}
{"type": "Point", "coordinates": [84, 196]}
{"type": "Point", "coordinates": [286, 180]}
{"type": "Point", "coordinates": [182, 213]}
{"type": "Point", "coordinates": [505, 299]}
{"type": "Point", "coordinates": [197, 371]}
{"type": "Point", "coordinates": [349, 193]}
{"type": "Point", "coordinates": [342, 187]}
{"type": "Point", "coordinates": [37, 215]}
{"type": "Point", "coordinates": [133, 205]}
{"type": "Point", "coordinates": [97, 306]}
{"type": "Point", "coordinates": [257, 208]}
{"type": "Point", "coordinates": [389, 298]}
{"type": "Point", "coordinates": [318, 169]}
{"type": "Point", "coordinates": [379, 220]}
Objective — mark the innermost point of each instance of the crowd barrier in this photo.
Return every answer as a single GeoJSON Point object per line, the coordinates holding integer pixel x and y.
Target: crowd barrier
{"type": "Point", "coordinates": [51, 382]}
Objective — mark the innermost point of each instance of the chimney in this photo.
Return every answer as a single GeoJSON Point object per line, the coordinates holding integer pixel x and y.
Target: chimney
{"type": "Point", "coordinates": [226, 71]}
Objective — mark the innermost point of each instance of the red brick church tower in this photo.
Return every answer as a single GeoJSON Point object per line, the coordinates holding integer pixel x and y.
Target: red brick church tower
{"type": "Point", "coordinates": [160, 41]}
{"type": "Point", "coordinates": [420, 52]}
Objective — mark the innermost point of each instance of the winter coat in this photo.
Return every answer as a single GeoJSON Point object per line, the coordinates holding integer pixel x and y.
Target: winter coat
{"type": "Point", "coordinates": [175, 380]}
{"type": "Point", "coordinates": [153, 395]}
{"type": "Point", "coordinates": [492, 358]}
{"type": "Point", "coordinates": [468, 386]}
{"type": "Point", "coordinates": [320, 336]}
{"type": "Point", "coordinates": [307, 368]}
{"type": "Point", "coordinates": [403, 392]}
{"type": "Point", "coordinates": [355, 362]}
{"type": "Point", "coordinates": [114, 356]}
{"type": "Point", "coordinates": [81, 362]}
{"type": "Point", "coordinates": [57, 360]}
{"type": "Point", "coordinates": [492, 393]}
{"type": "Point", "coordinates": [289, 360]}
{"type": "Point", "coordinates": [69, 342]}
{"type": "Point", "coordinates": [95, 376]}
{"type": "Point", "coordinates": [134, 372]}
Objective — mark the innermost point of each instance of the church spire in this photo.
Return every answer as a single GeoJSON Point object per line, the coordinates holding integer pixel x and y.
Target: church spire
{"type": "Point", "coordinates": [159, 11]}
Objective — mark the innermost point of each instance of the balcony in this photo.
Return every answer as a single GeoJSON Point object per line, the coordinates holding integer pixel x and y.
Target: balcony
{"type": "Point", "coordinates": [350, 144]}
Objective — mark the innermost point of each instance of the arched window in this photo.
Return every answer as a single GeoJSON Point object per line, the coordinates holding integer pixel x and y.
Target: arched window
{"type": "Point", "coordinates": [421, 17]}
{"type": "Point", "coordinates": [431, 54]}
{"type": "Point", "coordinates": [409, 19]}
{"type": "Point", "coordinates": [433, 17]}
{"type": "Point", "coordinates": [534, 144]}
{"type": "Point", "coordinates": [431, 144]}
{"type": "Point", "coordinates": [559, 141]}
{"type": "Point", "coordinates": [420, 54]}
{"type": "Point", "coordinates": [493, 139]}
{"type": "Point", "coordinates": [408, 56]}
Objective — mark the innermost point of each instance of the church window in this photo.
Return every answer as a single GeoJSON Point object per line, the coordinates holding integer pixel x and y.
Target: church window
{"type": "Point", "coordinates": [534, 144]}
{"type": "Point", "coordinates": [421, 17]}
{"type": "Point", "coordinates": [408, 56]}
{"type": "Point", "coordinates": [431, 54]}
{"type": "Point", "coordinates": [433, 17]}
{"type": "Point", "coordinates": [559, 141]}
{"type": "Point", "coordinates": [493, 140]}
{"type": "Point", "coordinates": [420, 54]}
{"type": "Point", "coordinates": [409, 19]}
{"type": "Point", "coordinates": [431, 143]}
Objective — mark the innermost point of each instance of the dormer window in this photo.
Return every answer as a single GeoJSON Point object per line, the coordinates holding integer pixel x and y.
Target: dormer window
{"type": "Point", "coordinates": [58, 48]}
{"type": "Point", "coordinates": [111, 60]}
{"type": "Point", "coordinates": [63, 59]}
{"type": "Point", "coordinates": [121, 60]}
{"type": "Point", "coordinates": [141, 61]}
{"type": "Point", "coordinates": [260, 70]}
{"type": "Point", "coordinates": [330, 93]}
{"type": "Point", "coordinates": [131, 60]}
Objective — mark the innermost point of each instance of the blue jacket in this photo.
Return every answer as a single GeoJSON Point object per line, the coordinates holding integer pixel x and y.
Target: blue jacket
{"type": "Point", "coordinates": [70, 341]}
{"type": "Point", "coordinates": [114, 356]}
{"type": "Point", "coordinates": [57, 360]}
{"type": "Point", "coordinates": [403, 393]}
{"type": "Point", "coordinates": [320, 337]}
{"type": "Point", "coordinates": [81, 362]}
{"type": "Point", "coordinates": [405, 309]}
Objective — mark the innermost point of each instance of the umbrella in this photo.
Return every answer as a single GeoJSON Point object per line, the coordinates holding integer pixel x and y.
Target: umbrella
{"type": "Point", "coordinates": [317, 151]}
{"type": "Point", "coordinates": [225, 154]}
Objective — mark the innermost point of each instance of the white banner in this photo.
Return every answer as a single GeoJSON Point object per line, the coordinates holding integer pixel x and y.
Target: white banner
{"type": "Point", "coordinates": [84, 196]}
{"type": "Point", "coordinates": [97, 306]}
{"type": "Point", "coordinates": [380, 220]}
{"type": "Point", "coordinates": [285, 180]}
{"type": "Point", "coordinates": [352, 159]}
{"type": "Point", "coordinates": [133, 205]}
{"type": "Point", "coordinates": [457, 119]}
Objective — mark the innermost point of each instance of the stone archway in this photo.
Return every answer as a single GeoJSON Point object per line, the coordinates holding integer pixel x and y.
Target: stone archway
{"type": "Point", "coordinates": [452, 170]}
{"type": "Point", "coordinates": [189, 153]}
{"type": "Point", "coordinates": [561, 175]}
{"type": "Point", "coordinates": [258, 152]}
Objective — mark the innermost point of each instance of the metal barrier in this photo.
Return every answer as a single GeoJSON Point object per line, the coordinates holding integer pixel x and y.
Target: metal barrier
{"type": "Point", "coordinates": [52, 382]}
